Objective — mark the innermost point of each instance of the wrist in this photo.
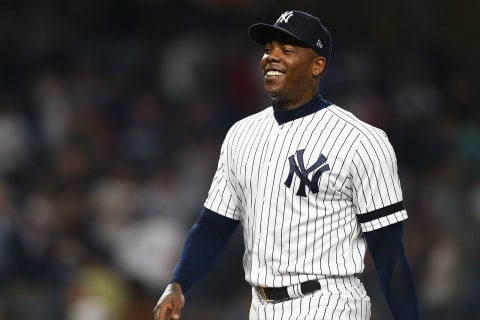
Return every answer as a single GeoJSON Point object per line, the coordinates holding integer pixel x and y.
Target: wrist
{"type": "Point", "coordinates": [174, 286]}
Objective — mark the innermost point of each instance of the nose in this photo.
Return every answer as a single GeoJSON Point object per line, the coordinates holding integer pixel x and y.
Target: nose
{"type": "Point", "coordinates": [271, 56]}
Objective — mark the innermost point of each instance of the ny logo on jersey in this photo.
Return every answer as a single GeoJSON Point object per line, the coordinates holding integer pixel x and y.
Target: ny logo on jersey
{"type": "Point", "coordinates": [298, 167]}
{"type": "Point", "coordinates": [285, 16]}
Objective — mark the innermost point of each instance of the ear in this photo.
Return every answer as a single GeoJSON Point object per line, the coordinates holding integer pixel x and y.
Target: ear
{"type": "Point", "coordinates": [318, 66]}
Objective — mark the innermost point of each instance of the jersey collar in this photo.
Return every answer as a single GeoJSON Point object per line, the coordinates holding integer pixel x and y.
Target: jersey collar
{"type": "Point", "coordinates": [317, 103]}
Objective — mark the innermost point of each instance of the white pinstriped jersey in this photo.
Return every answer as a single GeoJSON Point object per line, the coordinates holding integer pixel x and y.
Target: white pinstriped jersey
{"type": "Point", "coordinates": [298, 187]}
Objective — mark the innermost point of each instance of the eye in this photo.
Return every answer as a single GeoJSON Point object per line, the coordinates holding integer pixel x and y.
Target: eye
{"type": "Point", "coordinates": [288, 49]}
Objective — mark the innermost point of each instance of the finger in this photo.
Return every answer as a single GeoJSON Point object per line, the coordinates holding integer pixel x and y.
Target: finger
{"type": "Point", "coordinates": [161, 312]}
{"type": "Point", "coordinates": [176, 314]}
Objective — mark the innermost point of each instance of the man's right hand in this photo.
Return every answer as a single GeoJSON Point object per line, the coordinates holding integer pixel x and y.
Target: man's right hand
{"type": "Point", "coordinates": [170, 304]}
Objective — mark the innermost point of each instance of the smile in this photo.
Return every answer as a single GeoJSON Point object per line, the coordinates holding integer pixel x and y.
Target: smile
{"type": "Point", "coordinates": [273, 73]}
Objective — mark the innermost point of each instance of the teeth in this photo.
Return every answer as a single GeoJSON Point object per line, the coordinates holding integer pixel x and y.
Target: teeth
{"type": "Point", "coordinates": [274, 73]}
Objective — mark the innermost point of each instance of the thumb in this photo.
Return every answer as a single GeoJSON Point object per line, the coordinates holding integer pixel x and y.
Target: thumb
{"type": "Point", "coordinates": [176, 312]}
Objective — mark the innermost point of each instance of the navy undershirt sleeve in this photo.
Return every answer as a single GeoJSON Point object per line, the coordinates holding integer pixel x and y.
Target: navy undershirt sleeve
{"type": "Point", "coordinates": [203, 246]}
{"type": "Point", "coordinates": [386, 246]}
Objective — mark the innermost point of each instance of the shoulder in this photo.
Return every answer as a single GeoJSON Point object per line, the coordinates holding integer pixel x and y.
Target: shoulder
{"type": "Point", "coordinates": [251, 122]}
{"type": "Point", "coordinates": [362, 128]}
{"type": "Point", "coordinates": [262, 115]}
{"type": "Point", "coordinates": [369, 141]}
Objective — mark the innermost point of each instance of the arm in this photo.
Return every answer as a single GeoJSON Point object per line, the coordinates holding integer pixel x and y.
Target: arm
{"type": "Point", "coordinates": [387, 249]}
{"type": "Point", "coordinates": [203, 246]}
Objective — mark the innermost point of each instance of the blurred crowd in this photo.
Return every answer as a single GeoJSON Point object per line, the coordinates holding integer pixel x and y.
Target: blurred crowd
{"type": "Point", "coordinates": [111, 119]}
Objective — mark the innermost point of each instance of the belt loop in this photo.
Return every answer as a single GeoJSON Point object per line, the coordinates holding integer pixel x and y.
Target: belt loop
{"type": "Point", "coordinates": [295, 291]}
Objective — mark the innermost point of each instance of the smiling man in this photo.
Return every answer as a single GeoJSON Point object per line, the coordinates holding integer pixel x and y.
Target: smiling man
{"type": "Point", "coordinates": [312, 186]}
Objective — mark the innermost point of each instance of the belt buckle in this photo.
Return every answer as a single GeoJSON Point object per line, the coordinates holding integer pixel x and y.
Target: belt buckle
{"type": "Point", "coordinates": [263, 294]}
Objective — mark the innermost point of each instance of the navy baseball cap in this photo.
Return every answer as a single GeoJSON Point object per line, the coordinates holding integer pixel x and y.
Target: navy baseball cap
{"type": "Point", "coordinates": [304, 27]}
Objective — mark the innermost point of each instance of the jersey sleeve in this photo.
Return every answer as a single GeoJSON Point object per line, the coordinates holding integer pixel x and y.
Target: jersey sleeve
{"type": "Point", "coordinates": [377, 193]}
{"type": "Point", "coordinates": [222, 197]}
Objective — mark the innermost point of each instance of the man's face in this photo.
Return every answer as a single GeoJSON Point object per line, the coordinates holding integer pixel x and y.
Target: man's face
{"type": "Point", "coordinates": [290, 70]}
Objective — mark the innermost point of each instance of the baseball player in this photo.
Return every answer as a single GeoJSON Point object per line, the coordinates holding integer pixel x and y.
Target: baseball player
{"type": "Point", "coordinates": [313, 188]}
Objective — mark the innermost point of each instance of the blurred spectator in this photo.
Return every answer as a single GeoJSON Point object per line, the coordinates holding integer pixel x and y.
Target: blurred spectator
{"type": "Point", "coordinates": [15, 139]}
{"type": "Point", "coordinates": [112, 199]}
{"type": "Point", "coordinates": [54, 109]}
{"type": "Point", "coordinates": [97, 292]}
{"type": "Point", "coordinates": [187, 66]}
{"type": "Point", "coordinates": [146, 249]}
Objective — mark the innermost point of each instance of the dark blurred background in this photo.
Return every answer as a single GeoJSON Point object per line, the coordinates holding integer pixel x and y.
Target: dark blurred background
{"type": "Point", "coordinates": [111, 119]}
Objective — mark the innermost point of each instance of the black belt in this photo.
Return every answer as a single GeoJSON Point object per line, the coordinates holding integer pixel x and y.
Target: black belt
{"type": "Point", "coordinates": [280, 294]}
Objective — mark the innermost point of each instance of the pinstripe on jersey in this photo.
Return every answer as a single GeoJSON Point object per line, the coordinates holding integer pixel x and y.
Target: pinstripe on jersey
{"type": "Point", "coordinates": [290, 237]}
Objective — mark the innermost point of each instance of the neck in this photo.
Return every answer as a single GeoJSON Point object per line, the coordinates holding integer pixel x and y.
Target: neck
{"type": "Point", "coordinates": [286, 103]}
{"type": "Point", "coordinates": [285, 115]}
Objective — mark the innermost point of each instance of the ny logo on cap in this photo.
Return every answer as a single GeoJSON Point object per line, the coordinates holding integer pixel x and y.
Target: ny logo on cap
{"type": "Point", "coordinates": [285, 16]}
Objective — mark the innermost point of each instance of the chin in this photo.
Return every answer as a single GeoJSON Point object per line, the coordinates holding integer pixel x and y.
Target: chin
{"type": "Point", "coordinates": [272, 95]}
{"type": "Point", "coordinates": [272, 92]}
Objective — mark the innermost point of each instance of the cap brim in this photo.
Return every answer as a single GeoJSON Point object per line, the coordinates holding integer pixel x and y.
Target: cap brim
{"type": "Point", "coordinates": [262, 32]}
